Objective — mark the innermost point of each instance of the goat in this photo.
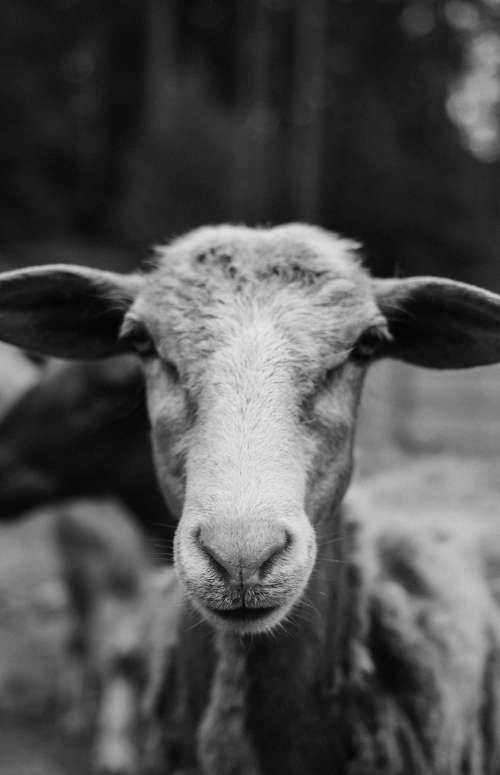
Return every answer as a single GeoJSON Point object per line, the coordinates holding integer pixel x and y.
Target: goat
{"type": "Point", "coordinates": [81, 430]}
{"type": "Point", "coordinates": [331, 653]}
{"type": "Point", "coordinates": [121, 628]}
{"type": "Point", "coordinates": [106, 571]}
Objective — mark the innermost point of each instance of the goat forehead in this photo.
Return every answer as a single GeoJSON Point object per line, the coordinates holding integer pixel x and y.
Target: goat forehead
{"type": "Point", "coordinates": [218, 282]}
{"type": "Point", "coordinates": [292, 252]}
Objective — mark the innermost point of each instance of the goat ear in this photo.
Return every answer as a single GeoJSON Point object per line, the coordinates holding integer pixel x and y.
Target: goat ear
{"type": "Point", "coordinates": [441, 324]}
{"type": "Point", "coordinates": [65, 311]}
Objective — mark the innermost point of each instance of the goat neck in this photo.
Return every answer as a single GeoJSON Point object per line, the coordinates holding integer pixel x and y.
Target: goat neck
{"type": "Point", "coordinates": [268, 707]}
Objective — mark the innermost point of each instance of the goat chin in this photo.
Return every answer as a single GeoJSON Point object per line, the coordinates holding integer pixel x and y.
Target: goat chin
{"type": "Point", "coordinates": [245, 621]}
{"type": "Point", "coordinates": [240, 609]}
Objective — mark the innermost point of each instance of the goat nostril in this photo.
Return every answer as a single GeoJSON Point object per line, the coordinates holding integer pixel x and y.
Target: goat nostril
{"type": "Point", "coordinates": [212, 555]}
{"type": "Point", "coordinates": [232, 565]}
{"type": "Point", "coordinates": [274, 553]}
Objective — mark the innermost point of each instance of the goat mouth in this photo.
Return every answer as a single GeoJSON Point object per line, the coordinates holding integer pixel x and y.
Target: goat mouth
{"type": "Point", "coordinates": [242, 614]}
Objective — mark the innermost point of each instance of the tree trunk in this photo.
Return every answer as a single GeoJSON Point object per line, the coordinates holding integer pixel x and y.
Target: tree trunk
{"type": "Point", "coordinates": [161, 72]}
{"type": "Point", "coordinates": [309, 99]}
{"type": "Point", "coordinates": [255, 113]}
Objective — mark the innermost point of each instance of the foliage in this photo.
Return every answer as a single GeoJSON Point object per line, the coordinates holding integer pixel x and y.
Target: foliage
{"type": "Point", "coordinates": [132, 120]}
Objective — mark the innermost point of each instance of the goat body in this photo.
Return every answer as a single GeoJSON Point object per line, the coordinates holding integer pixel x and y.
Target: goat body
{"type": "Point", "coordinates": [417, 688]}
{"type": "Point", "coordinates": [123, 619]}
{"type": "Point", "coordinates": [81, 431]}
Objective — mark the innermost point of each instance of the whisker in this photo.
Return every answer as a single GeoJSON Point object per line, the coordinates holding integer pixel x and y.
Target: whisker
{"type": "Point", "coordinates": [332, 540]}
{"type": "Point", "coordinates": [195, 624]}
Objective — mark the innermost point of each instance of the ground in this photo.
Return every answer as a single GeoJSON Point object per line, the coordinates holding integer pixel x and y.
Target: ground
{"type": "Point", "coordinates": [406, 413]}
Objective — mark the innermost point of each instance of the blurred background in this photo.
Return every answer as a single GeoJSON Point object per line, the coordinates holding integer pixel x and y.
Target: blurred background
{"type": "Point", "coordinates": [126, 122]}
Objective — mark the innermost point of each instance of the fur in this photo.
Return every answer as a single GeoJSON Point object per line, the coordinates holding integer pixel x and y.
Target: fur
{"type": "Point", "coordinates": [419, 679]}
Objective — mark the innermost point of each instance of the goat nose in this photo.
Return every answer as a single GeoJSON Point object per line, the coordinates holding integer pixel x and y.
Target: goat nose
{"type": "Point", "coordinates": [246, 566]}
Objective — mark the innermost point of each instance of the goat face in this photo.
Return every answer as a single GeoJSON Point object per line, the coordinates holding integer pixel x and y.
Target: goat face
{"type": "Point", "coordinates": [254, 345]}
{"type": "Point", "coordinates": [253, 379]}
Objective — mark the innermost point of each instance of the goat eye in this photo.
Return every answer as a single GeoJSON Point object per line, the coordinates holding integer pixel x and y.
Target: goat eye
{"type": "Point", "coordinates": [141, 341]}
{"type": "Point", "coordinates": [171, 371]}
{"type": "Point", "coordinates": [368, 343]}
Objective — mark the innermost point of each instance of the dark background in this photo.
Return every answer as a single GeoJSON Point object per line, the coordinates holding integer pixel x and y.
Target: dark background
{"type": "Point", "coordinates": [124, 122]}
